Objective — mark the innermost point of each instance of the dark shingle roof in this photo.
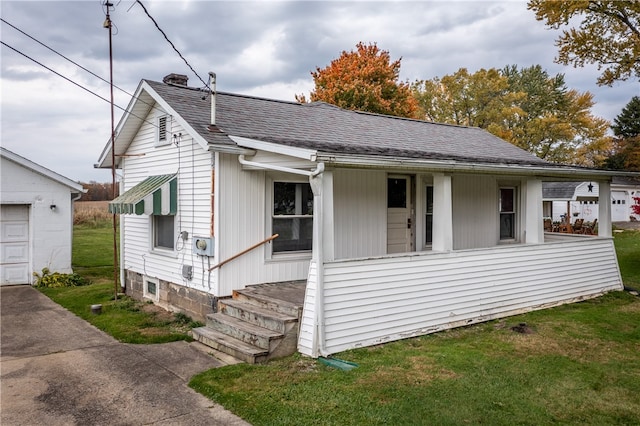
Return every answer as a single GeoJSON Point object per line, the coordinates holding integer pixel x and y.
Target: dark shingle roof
{"type": "Point", "coordinates": [559, 190]}
{"type": "Point", "coordinates": [330, 129]}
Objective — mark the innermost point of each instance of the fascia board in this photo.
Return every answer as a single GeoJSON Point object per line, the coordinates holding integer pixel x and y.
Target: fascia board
{"type": "Point", "coordinates": [41, 170]}
{"type": "Point", "coordinates": [305, 154]}
{"type": "Point", "coordinates": [560, 173]}
{"type": "Point", "coordinates": [136, 120]}
{"type": "Point", "coordinates": [190, 130]}
{"type": "Point", "coordinates": [127, 119]}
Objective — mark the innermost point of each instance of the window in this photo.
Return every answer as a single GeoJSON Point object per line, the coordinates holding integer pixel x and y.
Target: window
{"type": "Point", "coordinates": [397, 193]}
{"type": "Point", "coordinates": [163, 232]}
{"type": "Point", "coordinates": [507, 213]}
{"type": "Point", "coordinates": [162, 131]}
{"type": "Point", "coordinates": [428, 222]}
{"type": "Point", "coordinates": [151, 288]}
{"type": "Point", "coordinates": [292, 216]}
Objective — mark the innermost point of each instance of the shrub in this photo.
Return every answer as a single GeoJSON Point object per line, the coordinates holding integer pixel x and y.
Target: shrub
{"type": "Point", "coordinates": [56, 279]}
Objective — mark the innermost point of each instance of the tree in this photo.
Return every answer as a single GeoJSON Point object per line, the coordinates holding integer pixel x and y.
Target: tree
{"type": "Point", "coordinates": [525, 106]}
{"type": "Point", "coordinates": [608, 35]}
{"type": "Point", "coordinates": [364, 80]}
{"type": "Point", "coordinates": [626, 128]}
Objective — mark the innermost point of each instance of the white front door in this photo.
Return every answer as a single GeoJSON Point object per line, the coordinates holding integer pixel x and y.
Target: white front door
{"type": "Point", "coordinates": [399, 221]}
{"type": "Point", "coordinates": [14, 244]}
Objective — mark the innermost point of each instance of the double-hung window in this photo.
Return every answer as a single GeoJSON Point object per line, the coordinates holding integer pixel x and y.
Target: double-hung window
{"type": "Point", "coordinates": [292, 217]}
{"type": "Point", "coordinates": [163, 232]}
{"type": "Point", "coordinates": [507, 213]}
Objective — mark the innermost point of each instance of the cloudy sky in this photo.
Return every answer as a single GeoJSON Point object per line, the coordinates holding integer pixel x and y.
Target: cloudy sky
{"type": "Point", "coordinates": [265, 48]}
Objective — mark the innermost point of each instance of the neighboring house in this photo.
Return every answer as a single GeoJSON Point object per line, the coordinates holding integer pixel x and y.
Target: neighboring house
{"type": "Point", "coordinates": [36, 219]}
{"type": "Point", "coordinates": [579, 200]}
{"type": "Point", "coordinates": [400, 227]}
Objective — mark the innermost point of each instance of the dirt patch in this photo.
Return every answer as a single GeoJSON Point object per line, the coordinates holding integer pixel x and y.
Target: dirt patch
{"type": "Point", "coordinates": [160, 314]}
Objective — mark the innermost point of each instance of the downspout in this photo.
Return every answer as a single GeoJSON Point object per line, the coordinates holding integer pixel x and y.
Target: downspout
{"type": "Point", "coordinates": [315, 180]}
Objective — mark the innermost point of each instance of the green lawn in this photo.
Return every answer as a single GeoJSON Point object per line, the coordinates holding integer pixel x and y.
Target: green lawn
{"type": "Point", "coordinates": [125, 319]}
{"type": "Point", "coordinates": [92, 255]}
{"type": "Point", "coordinates": [628, 251]}
{"type": "Point", "coordinates": [580, 365]}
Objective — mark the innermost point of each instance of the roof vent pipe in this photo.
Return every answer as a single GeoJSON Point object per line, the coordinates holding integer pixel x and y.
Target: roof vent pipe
{"type": "Point", "coordinates": [212, 82]}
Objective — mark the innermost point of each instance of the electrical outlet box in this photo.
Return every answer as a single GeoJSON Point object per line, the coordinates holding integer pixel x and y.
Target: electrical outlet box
{"type": "Point", "coordinates": [203, 246]}
{"type": "Point", "coordinates": [187, 272]}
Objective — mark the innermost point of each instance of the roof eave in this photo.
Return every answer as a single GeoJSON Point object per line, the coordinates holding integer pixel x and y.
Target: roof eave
{"type": "Point", "coordinates": [554, 172]}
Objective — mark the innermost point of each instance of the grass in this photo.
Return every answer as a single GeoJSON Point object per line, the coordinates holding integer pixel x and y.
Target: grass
{"type": "Point", "coordinates": [580, 365]}
{"type": "Point", "coordinates": [127, 320]}
{"type": "Point", "coordinates": [628, 252]}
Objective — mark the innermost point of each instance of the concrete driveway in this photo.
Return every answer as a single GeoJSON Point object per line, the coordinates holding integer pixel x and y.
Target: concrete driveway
{"type": "Point", "coordinates": [56, 369]}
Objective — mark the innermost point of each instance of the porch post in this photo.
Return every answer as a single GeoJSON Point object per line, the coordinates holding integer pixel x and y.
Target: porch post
{"type": "Point", "coordinates": [604, 209]}
{"type": "Point", "coordinates": [327, 216]}
{"type": "Point", "coordinates": [321, 185]}
{"type": "Point", "coordinates": [533, 229]}
{"type": "Point", "coordinates": [442, 213]}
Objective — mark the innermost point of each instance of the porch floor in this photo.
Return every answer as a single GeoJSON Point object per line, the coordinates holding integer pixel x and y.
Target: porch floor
{"type": "Point", "coordinates": [288, 291]}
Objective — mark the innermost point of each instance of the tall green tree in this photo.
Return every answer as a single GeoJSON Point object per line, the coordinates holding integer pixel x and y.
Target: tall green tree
{"type": "Point", "coordinates": [607, 34]}
{"type": "Point", "coordinates": [626, 144]}
{"type": "Point", "coordinates": [365, 79]}
{"type": "Point", "coordinates": [526, 107]}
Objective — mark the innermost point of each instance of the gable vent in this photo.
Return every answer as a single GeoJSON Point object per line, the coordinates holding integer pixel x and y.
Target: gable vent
{"type": "Point", "coordinates": [162, 129]}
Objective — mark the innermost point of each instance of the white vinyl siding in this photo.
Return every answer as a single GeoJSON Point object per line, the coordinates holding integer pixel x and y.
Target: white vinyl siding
{"type": "Point", "coordinates": [307, 323]}
{"type": "Point", "coordinates": [373, 301]}
{"type": "Point", "coordinates": [49, 230]}
{"type": "Point", "coordinates": [193, 167]}
{"type": "Point", "coordinates": [474, 203]}
{"type": "Point", "coordinates": [360, 213]}
{"type": "Point", "coordinates": [244, 220]}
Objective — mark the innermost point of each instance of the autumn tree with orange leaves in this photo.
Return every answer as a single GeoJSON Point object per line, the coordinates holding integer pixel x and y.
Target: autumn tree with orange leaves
{"type": "Point", "coordinates": [364, 80]}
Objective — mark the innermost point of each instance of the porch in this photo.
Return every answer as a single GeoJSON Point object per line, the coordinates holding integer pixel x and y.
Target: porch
{"type": "Point", "coordinates": [362, 302]}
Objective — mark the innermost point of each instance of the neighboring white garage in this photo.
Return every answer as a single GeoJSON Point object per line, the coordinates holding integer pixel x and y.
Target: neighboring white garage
{"type": "Point", "coordinates": [36, 219]}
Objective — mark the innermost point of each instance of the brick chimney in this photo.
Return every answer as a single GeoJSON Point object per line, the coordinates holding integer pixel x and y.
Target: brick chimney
{"type": "Point", "coordinates": [176, 79]}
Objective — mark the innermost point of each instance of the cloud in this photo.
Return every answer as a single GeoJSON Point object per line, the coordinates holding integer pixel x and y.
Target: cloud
{"type": "Point", "coordinates": [263, 48]}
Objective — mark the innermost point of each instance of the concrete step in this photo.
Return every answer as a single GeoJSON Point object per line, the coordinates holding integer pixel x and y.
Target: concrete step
{"type": "Point", "coordinates": [257, 315]}
{"type": "Point", "coordinates": [242, 330]}
{"type": "Point", "coordinates": [229, 345]}
{"type": "Point", "coordinates": [255, 297]}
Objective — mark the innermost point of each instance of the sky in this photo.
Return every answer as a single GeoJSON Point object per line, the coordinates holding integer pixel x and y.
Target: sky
{"type": "Point", "coordinates": [264, 48]}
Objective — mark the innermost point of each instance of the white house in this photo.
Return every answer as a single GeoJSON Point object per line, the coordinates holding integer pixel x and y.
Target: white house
{"type": "Point", "coordinates": [399, 227]}
{"type": "Point", "coordinates": [579, 200]}
{"type": "Point", "coordinates": [36, 219]}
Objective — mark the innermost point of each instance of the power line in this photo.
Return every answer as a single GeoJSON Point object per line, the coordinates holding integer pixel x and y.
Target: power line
{"type": "Point", "coordinates": [73, 82]}
{"type": "Point", "coordinates": [70, 60]}
{"type": "Point", "coordinates": [169, 41]}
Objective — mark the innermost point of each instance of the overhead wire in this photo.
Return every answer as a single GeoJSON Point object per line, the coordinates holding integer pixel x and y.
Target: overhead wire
{"type": "Point", "coordinates": [169, 41]}
{"type": "Point", "coordinates": [75, 83]}
{"type": "Point", "coordinates": [70, 60]}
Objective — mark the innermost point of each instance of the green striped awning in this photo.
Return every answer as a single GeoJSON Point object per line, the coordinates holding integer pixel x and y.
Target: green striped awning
{"type": "Point", "coordinates": [154, 195]}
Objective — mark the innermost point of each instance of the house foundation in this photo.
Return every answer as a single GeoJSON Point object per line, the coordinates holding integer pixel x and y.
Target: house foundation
{"type": "Point", "coordinates": [171, 296]}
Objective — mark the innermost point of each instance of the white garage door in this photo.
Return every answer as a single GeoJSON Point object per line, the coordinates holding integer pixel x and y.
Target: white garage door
{"type": "Point", "coordinates": [14, 244]}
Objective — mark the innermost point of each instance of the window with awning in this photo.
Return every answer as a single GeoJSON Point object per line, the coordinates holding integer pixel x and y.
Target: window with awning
{"type": "Point", "coordinates": [157, 195]}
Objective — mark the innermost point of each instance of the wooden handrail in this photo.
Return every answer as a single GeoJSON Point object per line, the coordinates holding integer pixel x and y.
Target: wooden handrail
{"type": "Point", "coordinates": [271, 238]}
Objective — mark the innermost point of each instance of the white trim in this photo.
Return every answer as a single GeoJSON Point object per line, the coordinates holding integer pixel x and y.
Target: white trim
{"type": "Point", "coordinates": [28, 164]}
{"type": "Point", "coordinates": [379, 161]}
{"type": "Point", "coordinates": [145, 293]}
{"type": "Point", "coordinates": [303, 153]}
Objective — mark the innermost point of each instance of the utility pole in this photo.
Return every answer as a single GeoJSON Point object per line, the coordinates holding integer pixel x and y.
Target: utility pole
{"type": "Point", "coordinates": [107, 25]}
